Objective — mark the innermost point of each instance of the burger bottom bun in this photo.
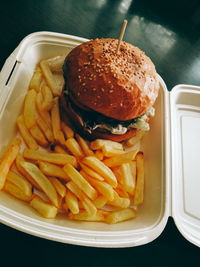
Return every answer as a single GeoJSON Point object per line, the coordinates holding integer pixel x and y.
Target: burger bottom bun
{"type": "Point", "coordinates": [98, 133]}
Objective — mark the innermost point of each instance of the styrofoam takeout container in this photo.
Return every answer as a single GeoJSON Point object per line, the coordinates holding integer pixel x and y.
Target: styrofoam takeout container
{"type": "Point", "coordinates": [171, 150]}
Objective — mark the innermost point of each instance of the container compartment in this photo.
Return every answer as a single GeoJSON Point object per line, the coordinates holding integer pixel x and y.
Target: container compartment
{"type": "Point", "coordinates": [152, 215]}
{"type": "Point", "coordinates": [185, 118]}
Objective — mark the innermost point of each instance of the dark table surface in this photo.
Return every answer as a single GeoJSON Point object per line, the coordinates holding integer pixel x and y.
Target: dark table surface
{"type": "Point", "coordinates": [168, 31]}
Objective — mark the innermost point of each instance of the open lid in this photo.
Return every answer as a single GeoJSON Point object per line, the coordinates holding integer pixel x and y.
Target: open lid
{"type": "Point", "coordinates": [185, 144]}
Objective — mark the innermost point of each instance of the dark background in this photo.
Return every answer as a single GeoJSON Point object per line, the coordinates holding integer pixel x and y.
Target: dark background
{"type": "Point", "coordinates": [168, 31]}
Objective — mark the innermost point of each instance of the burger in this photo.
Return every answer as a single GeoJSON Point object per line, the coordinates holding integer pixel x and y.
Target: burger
{"type": "Point", "coordinates": [109, 94]}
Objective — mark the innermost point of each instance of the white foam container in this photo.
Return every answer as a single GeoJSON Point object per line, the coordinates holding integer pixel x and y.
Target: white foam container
{"type": "Point", "coordinates": [171, 149]}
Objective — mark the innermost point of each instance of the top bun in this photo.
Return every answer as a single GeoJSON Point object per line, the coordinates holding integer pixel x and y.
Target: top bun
{"type": "Point", "coordinates": [122, 86]}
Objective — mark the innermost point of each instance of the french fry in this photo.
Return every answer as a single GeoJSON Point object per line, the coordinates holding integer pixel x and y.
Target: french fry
{"type": "Point", "coordinates": [45, 209]}
{"type": "Point", "coordinates": [59, 137]}
{"type": "Point", "coordinates": [99, 154]}
{"type": "Point", "coordinates": [85, 216]}
{"type": "Point", "coordinates": [87, 203]}
{"type": "Point", "coordinates": [53, 170]}
{"type": "Point", "coordinates": [55, 120]}
{"type": "Point", "coordinates": [102, 187]}
{"type": "Point", "coordinates": [47, 98]}
{"type": "Point", "coordinates": [80, 181]}
{"type": "Point", "coordinates": [57, 158]}
{"type": "Point", "coordinates": [84, 145]}
{"type": "Point", "coordinates": [101, 168]}
{"type": "Point", "coordinates": [18, 161]}
{"type": "Point", "coordinates": [74, 189]}
{"type": "Point", "coordinates": [44, 114]}
{"type": "Point", "coordinates": [72, 202]}
{"type": "Point", "coordinates": [116, 196]}
{"type": "Point", "coordinates": [73, 146]}
{"type": "Point", "coordinates": [100, 202]}
{"type": "Point", "coordinates": [56, 63]}
{"type": "Point", "coordinates": [139, 190]}
{"type": "Point", "coordinates": [15, 191]}
{"type": "Point", "coordinates": [60, 188]}
{"type": "Point", "coordinates": [68, 132]}
{"type": "Point", "coordinates": [38, 136]}
{"type": "Point", "coordinates": [36, 80]}
{"type": "Point", "coordinates": [120, 159]}
{"type": "Point", "coordinates": [60, 149]}
{"type": "Point", "coordinates": [127, 178]}
{"type": "Point", "coordinates": [60, 200]}
{"type": "Point", "coordinates": [27, 137]}
{"type": "Point", "coordinates": [45, 129]}
{"type": "Point", "coordinates": [120, 215]}
{"type": "Point", "coordinates": [118, 175]}
{"type": "Point", "coordinates": [99, 143]}
{"type": "Point", "coordinates": [50, 78]}
{"type": "Point", "coordinates": [91, 172]}
{"type": "Point", "coordinates": [135, 139]}
{"type": "Point", "coordinates": [109, 151]}
{"type": "Point", "coordinates": [120, 203]}
{"type": "Point", "coordinates": [30, 112]}
{"type": "Point", "coordinates": [20, 182]}
{"type": "Point", "coordinates": [8, 159]}
{"type": "Point", "coordinates": [121, 192]}
{"type": "Point", "coordinates": [42, 181]}
{"type": "Point", "coordinates": [133, 172]}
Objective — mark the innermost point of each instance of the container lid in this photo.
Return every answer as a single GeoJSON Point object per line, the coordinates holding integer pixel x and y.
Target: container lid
{"type": "Point", "coordinates": [185, 144]}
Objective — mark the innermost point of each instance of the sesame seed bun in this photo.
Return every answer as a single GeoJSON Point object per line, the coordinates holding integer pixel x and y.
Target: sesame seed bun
{"type": "Point", "coordinates": [122, 86]}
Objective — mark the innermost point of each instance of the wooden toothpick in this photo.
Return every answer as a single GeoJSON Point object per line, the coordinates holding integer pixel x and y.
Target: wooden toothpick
{"type": "Point", "coordinates": [121, 35]}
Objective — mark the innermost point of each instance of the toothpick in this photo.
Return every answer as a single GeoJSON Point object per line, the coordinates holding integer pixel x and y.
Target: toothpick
{"type": "Point", "coordinates": [121, 35]}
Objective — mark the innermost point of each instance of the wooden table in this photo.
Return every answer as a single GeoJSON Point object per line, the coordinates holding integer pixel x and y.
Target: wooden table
{"type": "Point", "coordinates": [168, 31]}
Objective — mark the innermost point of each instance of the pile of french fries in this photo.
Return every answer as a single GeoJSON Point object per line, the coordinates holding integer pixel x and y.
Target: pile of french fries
{"type": "Point", "coordinates": [56, 171]}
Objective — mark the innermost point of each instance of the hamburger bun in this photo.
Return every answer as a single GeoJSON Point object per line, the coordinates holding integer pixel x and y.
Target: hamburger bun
{"type": "Point", "coordinates": [121, 86]}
